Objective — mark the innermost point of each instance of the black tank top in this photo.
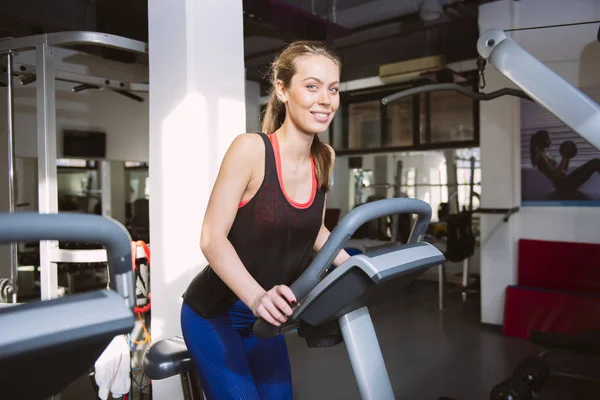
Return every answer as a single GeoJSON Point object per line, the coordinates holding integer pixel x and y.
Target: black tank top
{"type": "Point", "coordinates": [273, 236]}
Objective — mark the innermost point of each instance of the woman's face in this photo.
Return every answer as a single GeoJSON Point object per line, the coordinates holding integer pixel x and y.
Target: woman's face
{"type": "Point", "coordinates": [546, 142]}
{"type": "Point", "coordinates": [313, 96]}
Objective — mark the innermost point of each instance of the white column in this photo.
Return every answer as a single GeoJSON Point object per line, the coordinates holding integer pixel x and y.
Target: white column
{"type": "Point", "coordinates": [197, 107]}
{"type": "Point", "coordinates": [499, 141]}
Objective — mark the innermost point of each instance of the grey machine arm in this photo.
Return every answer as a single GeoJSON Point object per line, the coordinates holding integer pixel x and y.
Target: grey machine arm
{"type": "Point", "coordinates": [31, 226]}
{"type": "Point", "coordinates": [338, 238]}
{"type": "Point", "coordinates": [544, 86]}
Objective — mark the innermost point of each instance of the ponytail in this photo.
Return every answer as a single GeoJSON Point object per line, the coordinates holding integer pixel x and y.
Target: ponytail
{"type": "Point", "coordinates": [274, 114]}
{"type": "Point", "coordinates": [322, 156]}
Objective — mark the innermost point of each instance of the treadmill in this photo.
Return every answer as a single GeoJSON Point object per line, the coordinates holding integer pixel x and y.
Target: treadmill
{"type": "Point", "coordinates": [46, 345]}
{"type": "Point", "coordinates": [334, 303]}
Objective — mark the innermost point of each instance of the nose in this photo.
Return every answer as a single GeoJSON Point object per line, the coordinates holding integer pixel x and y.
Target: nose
{"type": "Point", "coordinates": [324, 97]}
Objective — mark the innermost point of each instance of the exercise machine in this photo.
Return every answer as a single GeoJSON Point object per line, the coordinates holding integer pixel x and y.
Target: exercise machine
{"type": "Point", "coordinates": [45, 345]}
{"type": "Point", "coordinates": [334, 305]}
{"type": "Point", "coordinates": [538, 83]}
{"type": "Point", "coordinates": [45, 74]}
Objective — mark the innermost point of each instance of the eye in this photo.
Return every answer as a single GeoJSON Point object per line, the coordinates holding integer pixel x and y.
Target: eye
{"type": "Point", "coordinates": [334, 89]}
{"type": "Point", "coordinates": [312, 87]}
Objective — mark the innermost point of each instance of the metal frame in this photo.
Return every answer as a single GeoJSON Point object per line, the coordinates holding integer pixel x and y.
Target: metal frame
{"type": "Point", "coordinates": [67, 39]}
{"type": "Point", "coordinates": [46, 76]}
{"type": "Point", "coordinates": [365, 356]}
{"type": "Point", "coordinates": [11, 169]}
{"type": "Point", "coordinates": [544, 86]}
{"type": "Point", "coordinates": [27, 73]}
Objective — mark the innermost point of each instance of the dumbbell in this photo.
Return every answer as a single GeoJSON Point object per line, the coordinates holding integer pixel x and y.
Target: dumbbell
{"type": "Point", "coordinates": [529, 377]}
{"type": "Point", "coordinates": [511, 389]}
{"type": "Point", "coordinates": [568, 149]}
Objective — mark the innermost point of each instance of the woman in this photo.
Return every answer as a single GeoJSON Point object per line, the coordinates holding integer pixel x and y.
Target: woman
{"type": "Point", "coordinates": [263, 220]}
{"type": "Point", "coordinates": [565, 183]}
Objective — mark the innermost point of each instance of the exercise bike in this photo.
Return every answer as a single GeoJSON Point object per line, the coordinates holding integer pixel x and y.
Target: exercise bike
{"type": "Point", "coordinates": [334, 304]}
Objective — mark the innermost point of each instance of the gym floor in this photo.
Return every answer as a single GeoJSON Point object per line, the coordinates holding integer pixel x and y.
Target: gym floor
{"type": "Point", "coordinates": [429, 354]}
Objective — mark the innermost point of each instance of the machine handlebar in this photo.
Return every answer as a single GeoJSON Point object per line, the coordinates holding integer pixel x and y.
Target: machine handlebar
{"type": "Point", "coordinates": [338, 238]}
{"type": "Point", "coordinates": [31, 226]}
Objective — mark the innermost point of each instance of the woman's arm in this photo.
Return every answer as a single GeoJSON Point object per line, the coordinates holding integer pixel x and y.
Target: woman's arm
{"type": "Point", "coordinates": [563, 164]}
{"type": "Point", "coordinates": [236, 172]}
{"type": "Point", "coordinates": [553, 172]}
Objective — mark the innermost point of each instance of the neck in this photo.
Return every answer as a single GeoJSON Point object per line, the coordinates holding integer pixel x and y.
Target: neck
{"type": "Point", "coordinates": [294, 143]}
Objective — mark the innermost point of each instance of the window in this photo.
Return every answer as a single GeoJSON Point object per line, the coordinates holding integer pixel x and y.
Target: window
{"type": "Point", "coordinates": [399, 124]}
{"type": "Point", "coordinates": [364, 125]}
{"type": "Point", "coordinates": [451, 117]}
{"type": "Point", "coordinates": [411, 180]}
{"type": "Point", "coordinates": [444, 119]}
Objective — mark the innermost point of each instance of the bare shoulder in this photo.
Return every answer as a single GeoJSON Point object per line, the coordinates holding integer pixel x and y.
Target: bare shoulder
{"type": "Point", "coordinates": [248, 141]}
{"type": "Point", "coordinates": [246, 148]}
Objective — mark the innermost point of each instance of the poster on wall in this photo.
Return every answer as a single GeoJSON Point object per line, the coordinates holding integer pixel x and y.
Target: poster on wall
{"type": "Point", "coordinates": [558, 167]}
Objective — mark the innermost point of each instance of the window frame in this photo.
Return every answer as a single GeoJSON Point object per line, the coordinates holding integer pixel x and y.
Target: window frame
{"type": "Point", "coordinates": [377, 93]}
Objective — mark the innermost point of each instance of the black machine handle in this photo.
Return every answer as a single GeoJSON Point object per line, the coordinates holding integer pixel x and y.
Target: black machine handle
{"type": "Point", "coordinates": [439, 87]}
{"type": "Point", "coordinates": [31, 226]}
{"type": "Point", "coordinates": [506, 211]}
{"type": "Point", "coordinates": [338, 238]}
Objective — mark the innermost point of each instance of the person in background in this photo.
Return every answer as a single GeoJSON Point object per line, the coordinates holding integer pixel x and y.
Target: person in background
{"type": "Point", "coordinates": [557, 171]}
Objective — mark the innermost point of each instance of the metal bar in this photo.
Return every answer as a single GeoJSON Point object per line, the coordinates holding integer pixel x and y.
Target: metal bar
{"type": "Point", "coordinates": [544, 86]}
{"type": "Point", "coordinates": [72, 77]}
{"type": "Point", "coordinates": [78, 256]}
{"type": "Point", "coordinates": [11, 169]}
{"type": "Point", "coordinates": [433, 185]}
{"type": "Point", "coordinates": [48, 192]}
{"type": "Point", "coordinates": [440, 87]}
{"type": "Point", "coordinates": [105, 184]}
{"type": "Point", "coordinates": [471, 184]}
{"type": "Point", "coordinates": [441, 287]}
{"type": "Point", "coordinates": [365, 355]}
{"type": "Point", "coordinates": [66, 39]}
{"type": "Point", "coordinates": [465, 277]}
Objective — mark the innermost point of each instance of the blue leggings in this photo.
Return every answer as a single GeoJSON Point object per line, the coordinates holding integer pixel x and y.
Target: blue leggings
{"type": "Point", "coordinates": [231, 362]}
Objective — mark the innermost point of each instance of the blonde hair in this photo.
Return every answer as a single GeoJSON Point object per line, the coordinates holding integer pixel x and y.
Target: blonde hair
{"type": "Point", "coordinates": [283, 68]}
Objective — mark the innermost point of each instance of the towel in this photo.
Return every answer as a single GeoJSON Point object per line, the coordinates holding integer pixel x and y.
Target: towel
{"type": "Point", "coordinates": [113, 369]}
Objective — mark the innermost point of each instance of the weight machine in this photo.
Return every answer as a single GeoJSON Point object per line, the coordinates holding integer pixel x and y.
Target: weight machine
{"type": "Point", "coordinates": [577, 111]}
{"type": "Point", "coordinates": [45, 74]}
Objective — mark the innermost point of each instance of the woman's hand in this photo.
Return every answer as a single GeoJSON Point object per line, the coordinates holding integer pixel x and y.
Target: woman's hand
{"type": "Point", "coordinates": [273, 305]}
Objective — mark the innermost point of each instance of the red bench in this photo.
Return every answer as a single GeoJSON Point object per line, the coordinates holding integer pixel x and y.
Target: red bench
{"type": "Point", "coordinates": [558, 289]}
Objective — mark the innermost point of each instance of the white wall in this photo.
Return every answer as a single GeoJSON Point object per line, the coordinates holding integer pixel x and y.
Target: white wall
{"type": "Point", "coordinates": [193, 120]}
{"type": "Point", "coordinates": [573, 53]}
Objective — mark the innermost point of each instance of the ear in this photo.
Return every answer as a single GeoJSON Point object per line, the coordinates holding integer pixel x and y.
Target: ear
{"type": "Point", "coordinates": [281, 91]}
